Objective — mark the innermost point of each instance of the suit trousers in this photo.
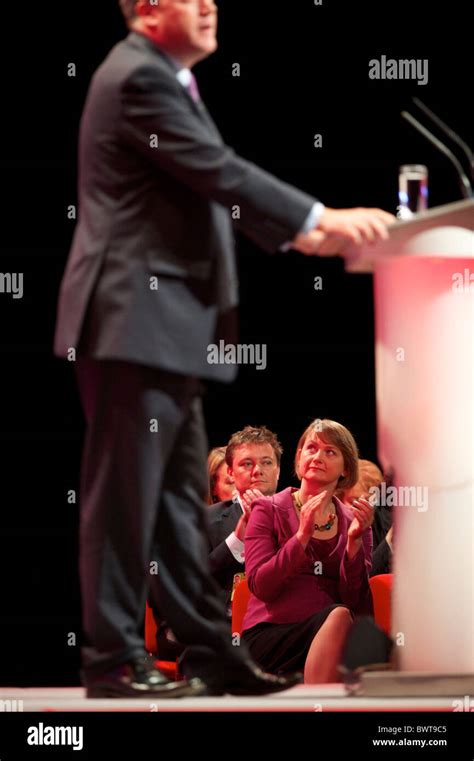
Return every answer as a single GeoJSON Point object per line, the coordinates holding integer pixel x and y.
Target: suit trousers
{"type": "Point", "coordinates": [142, 516]}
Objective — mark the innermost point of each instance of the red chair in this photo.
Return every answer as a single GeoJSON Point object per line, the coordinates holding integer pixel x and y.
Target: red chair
{"type": "Point", "coordinates": [168, 668]}
{"type": "Point", "coordinates": [381, 588]}
{"type": "Point", "coordinates": [239, 605]}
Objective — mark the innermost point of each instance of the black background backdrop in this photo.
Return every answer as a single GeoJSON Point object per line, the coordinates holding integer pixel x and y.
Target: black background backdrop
{"type": "Point", "coordinates": [304, 70]}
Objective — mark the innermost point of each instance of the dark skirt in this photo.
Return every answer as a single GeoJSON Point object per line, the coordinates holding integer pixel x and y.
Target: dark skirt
{"type": "Point", "coordinates": [283, 648]}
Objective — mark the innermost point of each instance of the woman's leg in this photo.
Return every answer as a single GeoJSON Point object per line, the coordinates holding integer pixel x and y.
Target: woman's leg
{"type": "Point", "coordinates": [324, 655]}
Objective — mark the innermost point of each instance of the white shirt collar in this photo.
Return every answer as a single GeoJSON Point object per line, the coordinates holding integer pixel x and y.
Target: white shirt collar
{"type": "Point", "coordinates": [236, 498]}
{"type": "Point", "coordinates": [184, 76]}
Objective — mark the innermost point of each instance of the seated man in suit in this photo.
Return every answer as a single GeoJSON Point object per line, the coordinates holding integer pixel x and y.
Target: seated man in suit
{"type": "Point", "coordinates": [253, 458]}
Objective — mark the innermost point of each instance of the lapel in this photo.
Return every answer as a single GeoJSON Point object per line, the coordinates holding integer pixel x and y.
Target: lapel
{"type": "Point", "coordinates": [223, 519]}
{"type": "Point", "coordinates": [231, 515]}
{"type": "Point", "coordinates": [285, 512]}
{"type": "Point", "coordinates": [202, 111]}
{"type": "Point", "coordinates": [139, 40]}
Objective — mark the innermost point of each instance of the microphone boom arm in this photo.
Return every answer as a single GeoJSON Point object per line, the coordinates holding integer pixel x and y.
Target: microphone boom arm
{"type": "Point", "coordinates": [447, 131]}
{"type": "Point", "coordinates": [465, 185]}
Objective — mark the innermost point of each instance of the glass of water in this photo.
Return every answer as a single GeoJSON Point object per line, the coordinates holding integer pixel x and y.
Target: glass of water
{"type": "Point", "coordinates": [412, 190]}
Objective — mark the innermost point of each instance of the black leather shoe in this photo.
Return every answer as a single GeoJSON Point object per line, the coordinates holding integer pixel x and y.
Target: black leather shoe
{"type": "Point", "coordinates": [250, 680]}
{"type": "Point", "coordinates": [139, 679]}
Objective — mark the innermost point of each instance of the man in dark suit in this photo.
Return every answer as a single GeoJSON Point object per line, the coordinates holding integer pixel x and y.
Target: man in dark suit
{"type": "Point", "coordinates": [149, 285]}
{"type": "Point", "coordinates": [253, 458]}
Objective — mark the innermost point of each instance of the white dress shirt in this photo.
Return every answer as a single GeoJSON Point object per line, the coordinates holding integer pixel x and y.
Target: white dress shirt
{"type": "Point", "coordinates": [236, 545]}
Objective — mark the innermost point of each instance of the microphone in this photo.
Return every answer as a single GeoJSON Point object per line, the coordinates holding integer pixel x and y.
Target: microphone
{"type": "Point", "coordinates": [465, 185]}
{"type": "Point", "coordinates": [447, 131]}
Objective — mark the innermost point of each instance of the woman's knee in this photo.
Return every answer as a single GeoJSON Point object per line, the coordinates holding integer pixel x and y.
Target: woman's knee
{"type": "Point", "coordinates": [340, 616]}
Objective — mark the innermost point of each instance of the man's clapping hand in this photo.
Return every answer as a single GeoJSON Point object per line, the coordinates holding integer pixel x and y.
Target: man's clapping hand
{"type": "Point", "coordinates": [339, 228]}
{"type": "Point", "coordinates": [247, 499]}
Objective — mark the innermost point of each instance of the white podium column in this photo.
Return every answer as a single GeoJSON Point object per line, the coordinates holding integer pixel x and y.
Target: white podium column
{"type": "Point", "coordinates": [424, 327]}
{"type": "Point", "coordinates": [424, 312]}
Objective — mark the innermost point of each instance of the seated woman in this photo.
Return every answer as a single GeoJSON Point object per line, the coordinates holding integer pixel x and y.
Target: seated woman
{"type": "Point", "coordinates": [221, 485]}
{"type": "Point", "coordinates": [308, 558]}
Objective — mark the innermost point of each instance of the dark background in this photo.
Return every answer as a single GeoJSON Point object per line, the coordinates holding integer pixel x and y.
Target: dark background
{"type": "Point", "coordinates": [304, 70]}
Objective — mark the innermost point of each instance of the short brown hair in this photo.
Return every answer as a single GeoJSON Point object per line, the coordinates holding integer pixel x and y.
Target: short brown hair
{"type": "Point", "coordinates": [334, 433]}
{"type": "Point", "coordinates": [128, 9]}
{"type": "Point", "coordinates": [253, 435]}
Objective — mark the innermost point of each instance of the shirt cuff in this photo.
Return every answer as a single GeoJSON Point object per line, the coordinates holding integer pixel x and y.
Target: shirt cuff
{"type": "Point", "coordinates": [236, 546]}
{"type": "Point", "coordinates": [311, 221]}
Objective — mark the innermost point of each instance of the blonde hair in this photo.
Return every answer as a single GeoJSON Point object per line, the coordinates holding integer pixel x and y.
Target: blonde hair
{"type": "Point", "coordinates": [215, 459]}
{"type": "Point", "coordinates": [369, 475]}
{"type": "Point", "coordinates": [333, 433]}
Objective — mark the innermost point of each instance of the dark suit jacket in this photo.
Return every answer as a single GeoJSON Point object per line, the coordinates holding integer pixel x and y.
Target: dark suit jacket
{"type": "Point", "coordinates": [222, 520]}
{"type": "Point", "coordinates": [382, 555]}
{"type": "Point", "coordinates": [156, 188]}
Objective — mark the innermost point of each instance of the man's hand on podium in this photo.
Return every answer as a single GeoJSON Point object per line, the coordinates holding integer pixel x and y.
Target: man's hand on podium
{"type": "Point", "coordinates": [339, 228]}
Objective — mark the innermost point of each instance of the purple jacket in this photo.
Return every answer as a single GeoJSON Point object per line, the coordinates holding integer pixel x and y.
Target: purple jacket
{"type": "Point", "coordinates": [286, 584]}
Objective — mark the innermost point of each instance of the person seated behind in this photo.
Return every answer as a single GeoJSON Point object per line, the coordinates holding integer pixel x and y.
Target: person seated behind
{"type": "Point", "coordinates": [221, 485]}
{"type": "Point", "coordinates": [253, 458]}
{"type": "Point", "coordinates": [368, 485]}
{"type": "Point", "coordinates": [308, 558]}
